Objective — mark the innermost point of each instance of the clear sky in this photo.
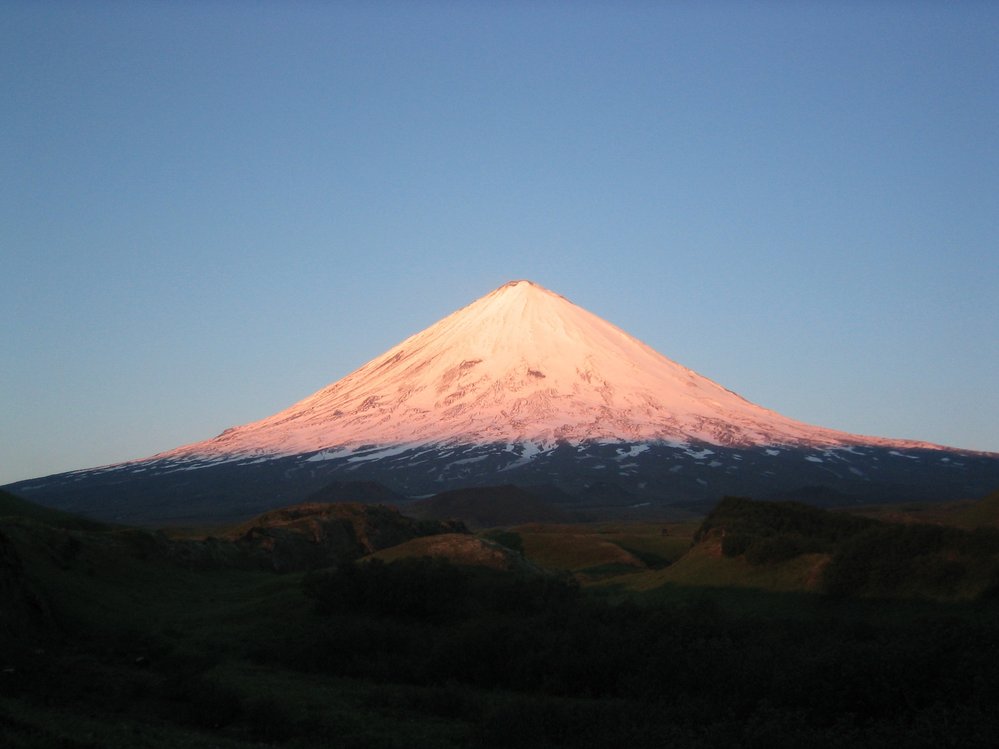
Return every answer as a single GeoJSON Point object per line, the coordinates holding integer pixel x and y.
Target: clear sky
{"type": "Point", "coordinates": [208, 210]}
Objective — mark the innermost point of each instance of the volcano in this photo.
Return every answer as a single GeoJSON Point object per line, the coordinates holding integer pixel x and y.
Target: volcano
{"type": "Point", "coordinates": [521, 386]}
{"type": "Point", "coordinates": [520, 365]}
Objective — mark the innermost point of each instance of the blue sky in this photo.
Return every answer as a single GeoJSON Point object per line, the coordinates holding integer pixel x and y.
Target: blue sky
{"type": "Point", "coordinates": [210, 210]}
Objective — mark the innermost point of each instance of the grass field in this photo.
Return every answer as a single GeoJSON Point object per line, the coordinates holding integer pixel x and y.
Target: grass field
{"type": "Point", "coordinates": [597, 550]}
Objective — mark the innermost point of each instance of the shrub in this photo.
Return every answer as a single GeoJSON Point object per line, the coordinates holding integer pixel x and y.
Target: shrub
{"type": "Point", "coordinates": [509, 539]}
{"type": "Point", "coordinates": [773, 549]}
{"type": "Point", "coordinates": [269, 720]}
{"type": "Point", "coordinates": [434, 590]}
{"type": "Point", "coordinates": [427, 588]}
{"type": "Point", "coordinates": [885, 559]}
{"type": "Point", "coordinates": [209, 704]}
{"type": "Point", "coordinates": [819, 528]}
{"type": "Point", "coordinates": [734, 544]}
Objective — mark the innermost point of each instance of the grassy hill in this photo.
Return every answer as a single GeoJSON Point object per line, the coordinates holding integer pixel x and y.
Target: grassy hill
{"type": "Point", "coordinates": [313, 534]}
{"type": "Point", "coordinates": [459, 549]}
{"type": "Point", "coordinates": [594, 551]}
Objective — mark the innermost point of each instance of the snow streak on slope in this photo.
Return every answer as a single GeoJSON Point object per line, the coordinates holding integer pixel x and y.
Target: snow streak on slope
{"type": "Point", "coordinates": [521, 364]}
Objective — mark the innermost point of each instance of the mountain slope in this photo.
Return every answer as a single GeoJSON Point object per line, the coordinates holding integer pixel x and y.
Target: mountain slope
{"type": "Point", "coordinates": [11, 506]}
{"type": "Point", "coordinates": [489, 507]}
{"type": "Point", "coordinates": [521, 386]}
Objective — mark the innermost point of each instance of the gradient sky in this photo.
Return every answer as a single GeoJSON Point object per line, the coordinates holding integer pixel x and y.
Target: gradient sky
{"type": "Point", "coordinates": [208, 210]}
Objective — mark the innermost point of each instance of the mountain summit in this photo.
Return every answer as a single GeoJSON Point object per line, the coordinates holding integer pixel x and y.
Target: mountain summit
{"type": "Point", "coordinates": [521, 386]}
{"type": "Point", "coordinates": [521, 364]}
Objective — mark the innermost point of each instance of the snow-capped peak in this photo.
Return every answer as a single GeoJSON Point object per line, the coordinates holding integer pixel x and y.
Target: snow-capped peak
{"type": "Point", "coordinates": [520, 364]}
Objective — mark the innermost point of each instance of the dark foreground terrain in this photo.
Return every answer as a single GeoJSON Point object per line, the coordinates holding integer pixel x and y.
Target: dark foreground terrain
{"type": "Point", "coordinates": [768, 625]}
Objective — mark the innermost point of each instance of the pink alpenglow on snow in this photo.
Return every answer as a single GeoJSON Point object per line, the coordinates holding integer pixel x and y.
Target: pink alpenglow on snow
{"type": "Point", "coordinates": [522, 364]}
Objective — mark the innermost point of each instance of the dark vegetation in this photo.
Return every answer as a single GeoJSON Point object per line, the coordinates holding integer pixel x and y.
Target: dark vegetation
{"type": "Point", "coordinates": [584, 673]}
{"type": "Point", "coordinates": [967, 514]}
{"type": "Point", "coordinates": [888, 560]}
{"type": "Point", "coordinates": [510, 539]}
{"type": "Point", "coordinates": [868, 557]}
{"type": "Point", "coordinates": [749, 525]}
{"type": "Point", "coordinates": [115, 644]}
{"type": "Point", "coordinates": [435, 590]}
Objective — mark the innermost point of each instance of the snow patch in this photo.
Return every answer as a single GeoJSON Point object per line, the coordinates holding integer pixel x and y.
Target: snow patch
{"type": "Point", "coordinates": [329, 455]}
{"type": "Point", "coordinates": [465, 461]}
{"type": "Point", "coordinates": [386, 453]}
{"type": "Point", "coordinates": [631, 452]}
